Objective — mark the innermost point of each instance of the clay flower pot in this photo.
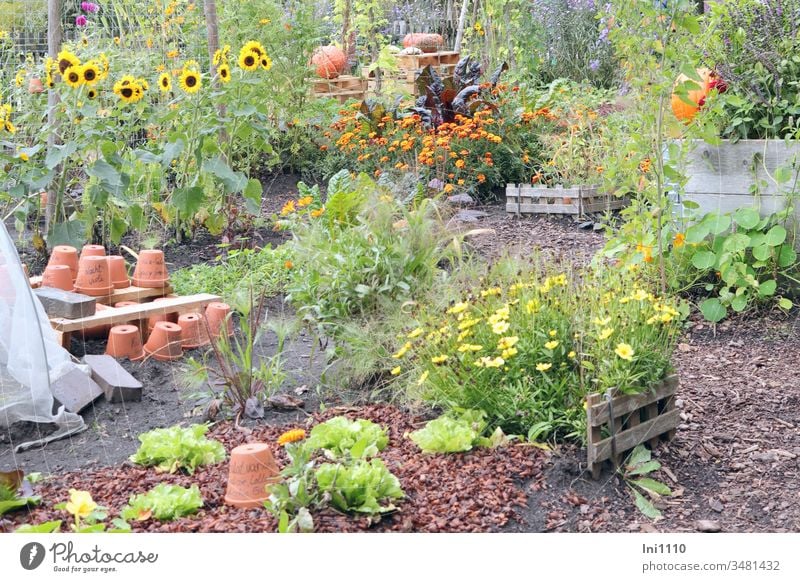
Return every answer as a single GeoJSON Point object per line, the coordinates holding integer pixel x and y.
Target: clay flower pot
{"type": "Point", "coordinates": [58, 276]}
{"type": "Point", "coordinates": [218, 315]}
{"type": "Point", "coordinates": [125, 303]}
{"type": "Point", "coordinates": [125, 341]}
{"type": "Point", "coordinates": [119, 274]}
{"type": "Point", "coordinates": [93, 277]}
{"type": "Point", "coordinates": [151, 270]}
{"type": "Point", "coordinates": [164, 342]}
{"type": "Point", "coordinates": [193, 331]}
{"type": "Point", "coordinates": [65, 255]}
{"type": "Point", "coordinates": [93, 251]}
{"type": "Point", "coordinates": [97, 331]}
{"type": "Point", "coordinates": [251, 471]}
{"type": "Point", "coordinates": [154, 319]}
{"type": "Point", "coordinates": [35, 86]}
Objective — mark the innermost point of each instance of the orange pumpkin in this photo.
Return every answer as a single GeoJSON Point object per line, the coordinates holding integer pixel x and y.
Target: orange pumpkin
{"type": "Point", "coordinates": [426, 42]}
{"type": "Point", "coordinates": [330, 61]}
{"type": "Point", "coordinates": [685, 111]}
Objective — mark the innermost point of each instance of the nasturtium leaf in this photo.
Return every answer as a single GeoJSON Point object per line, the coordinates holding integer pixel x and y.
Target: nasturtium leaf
{"type": "Point", "coordinates": [768, 288]}
{"type": "Point", "coordinates": [739, 303]}
{"type": "Point", "coordinates": [736, 242]}
{"type": "Point", "coordinates": [747, 217]}
{"type": "Point", "coordinates": [787, 256]}
{"type": "Point", "coordinates": [697, 233]}
{"type": "Point", "coordinates": [713, 310]}
{"type": "Point", "coordinates": [785, 304]}
{"type": "Point", "coordinates": [717, 223]}
{"type": "Point", "coordinates": [775, 235]}
{"type": "Point", "coordinates": [762, 252]}
{"type": "Point", "coordinates": [704, 260]}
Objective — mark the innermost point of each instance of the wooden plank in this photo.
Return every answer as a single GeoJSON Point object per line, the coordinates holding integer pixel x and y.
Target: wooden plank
{"type": "Point", "coordinates": [542, 208]}
{"type": "Point", "coordinates": [135, 312]}
{"type": "Point", "coordinates": [627, 403]}
{"type": "Point", "coordinates": [593, 435]}
{"type": "Point", "coordinates": [652, 412]}
{"type": "Point", "coordinates": [628, 439]}
{"type": "Point", "coordinates": [133, 293]}
{"type": "Point", "coordinates": [730, 168]}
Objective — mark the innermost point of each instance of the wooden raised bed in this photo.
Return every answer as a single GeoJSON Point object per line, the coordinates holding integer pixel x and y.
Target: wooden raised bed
{"type": "Point", "coordinates": [578, 200]}
{"type": "Point", "coordinates": [342, 88]}
{"type": "Point", "coordinates": [630, 421]}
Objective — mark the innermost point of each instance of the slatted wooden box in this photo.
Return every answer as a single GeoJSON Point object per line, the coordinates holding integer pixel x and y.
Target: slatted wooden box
{"type": "Point", "coordinates": [577, 200]}
{"type": "Point", "coordinates": [342, 88]}
{"type": "Point", "coordinates": [410, 66]}
{"type": "Point", "coordinates": [629, 420]}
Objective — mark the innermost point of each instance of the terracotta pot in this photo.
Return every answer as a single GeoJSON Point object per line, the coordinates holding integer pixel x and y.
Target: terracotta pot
{"type": "Point", "coordinates": [218, 315]}
{"type": "Point", "coordinates": [164, 342]}
{"type": "Point", "coordinates": [119, 274]}
{"type": "Point", "coordinates": [125, 341]}
{"type": "Point", "coordinates": [426, 42]}
{"type": "Point", "coordinates": [151, 270]}
{"type": "Point", "coordinates": [65, 255]}
{"type": "Point", "coordinates": [140, 324]}
{"type": "Point", "coordinates": [58, 276]}
{"type": "Point", "coordinates": [35, 86]}
{"type": "Point", "coordinates": [193, 331]}
{"type": "Point", "coordinates": [154, 319]}
{"type": "Point", "coordinates": [93, 276]}
{"type": "Point", "coordinates": [252, 470]}
{"type": "Point", "coordinates": [93, 251]}
{"type": "Point", "coordinates": [125, 303]}
{"type": "Point", "coordinates": [97, 331]}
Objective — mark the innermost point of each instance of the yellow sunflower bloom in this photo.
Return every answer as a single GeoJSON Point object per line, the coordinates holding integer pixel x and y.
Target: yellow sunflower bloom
{"type": "Point", "coordinates": [249, 60]}
{"type": "Point", "coordinates": [190, 81]}
{"type": "Point", "coordinates": [66, 59]}
{"type": "Point", "coordinates": [224, 72]}
{"type": "Point", "coordinates": [73, 76]}
{"type": "Point", "coordinates": [91, 72]}
{"type": "Point", "coordinates": [165, 83]}
{"type": "Point", "coordinates": [265, 62]}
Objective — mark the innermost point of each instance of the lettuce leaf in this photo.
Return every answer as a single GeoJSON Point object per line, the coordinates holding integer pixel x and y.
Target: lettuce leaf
{"type": "Point", "coordinates": [451, 433]}
{"type": "Point", "coordinates": [174, 448]}
{"type": "Point", "coordinates": [163, 502]}
{"type": "Point", "coordinates": [363, 486]}
{"type": "Point", "coordinates": [339, 436]}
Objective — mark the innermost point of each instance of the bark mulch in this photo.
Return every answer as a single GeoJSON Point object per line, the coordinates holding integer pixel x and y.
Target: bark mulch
{"type": "Point", "coordinates": [478, 491]}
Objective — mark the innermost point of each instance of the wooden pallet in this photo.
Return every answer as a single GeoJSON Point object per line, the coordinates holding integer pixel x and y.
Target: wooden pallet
{"type": "Point", "coordinates": [438, 59]}
{"type": "Point", "coordinates": [631, 420]}
{"type": "Point", "coordinates": [133, 313]}
{"type": "Point", "coordinates": [578, 200]}
{"type": "Point", "coordinates": [131, 293]}
{"type": "Point", "coordinates": [343, 87]}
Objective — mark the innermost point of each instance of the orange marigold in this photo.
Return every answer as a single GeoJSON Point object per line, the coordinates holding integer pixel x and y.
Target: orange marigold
{"type": "Point", "coordinates": [291, 436]}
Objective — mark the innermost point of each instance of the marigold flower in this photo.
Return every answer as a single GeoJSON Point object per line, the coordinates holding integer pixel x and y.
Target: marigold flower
{"type": "Point", "coordinates": [291, 436]}
{"type": "Point", "coordinates": [679, 240]}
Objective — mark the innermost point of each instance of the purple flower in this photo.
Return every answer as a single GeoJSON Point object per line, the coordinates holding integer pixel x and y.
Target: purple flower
{"type": "Point", "coordinates": [81, 21]}
{"type": "Point", "coordinates": [90, 7]}
{"type": "Point", "coordinates": [594, 64]}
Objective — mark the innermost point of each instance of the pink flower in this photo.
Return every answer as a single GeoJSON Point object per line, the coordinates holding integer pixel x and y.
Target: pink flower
{"type": "Point", "coordinates": [90, 7]}
{"type": "Point", "coordinates": [81, 20]}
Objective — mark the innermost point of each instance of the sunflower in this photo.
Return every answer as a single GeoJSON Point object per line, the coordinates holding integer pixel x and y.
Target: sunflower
{"type": "Point", "coordinates": [105, 66]}
{"type": "Point", "coordinates": [84, 41]}
{"type": "Point", "coordinates": [266, 62]}
{"type": "Point", "coordinates": [190, 81]}
{"type": "Point", "coordinates": [255, 47]}
{"type": "Point", "coordinates": [249, 60]}
{"type": "Point", "coordinates": [165, 82]}
{"type": "Point", "coordinates": [128, 89]}
{"type": "Point", "coordinates": [91, 72]}
{"type": "Point", "coordinates": [92, 94]}
{"type": "Point", "coordinates": [73, 76]}
{"type": "Point", "coordinates": [224, 72]}
{"type": "Point", "coordinates": [66, 59]}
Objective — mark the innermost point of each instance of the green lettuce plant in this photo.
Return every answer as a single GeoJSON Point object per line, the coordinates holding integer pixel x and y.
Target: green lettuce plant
{"type": "Point", "coordinates": [360, 439]}
{"type": "Point", "coordinates": [175, 448]}
{"type": "Point", "coordinates": [361, 486]}
{"type": "Point", "coordinates": [455, 432]}
{"type": "Point", "coordinates": [163, 502]}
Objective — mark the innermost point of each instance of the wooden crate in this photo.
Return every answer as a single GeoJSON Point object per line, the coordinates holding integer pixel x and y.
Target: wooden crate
{"type": "Point", "coordinates": [630, 421]}
{"type": "Point", "coordinates": [578, 200]}
{"type": "Point", "coordinates": [343, 87]}
{"type": "Point", "coordinates": [410, 66]}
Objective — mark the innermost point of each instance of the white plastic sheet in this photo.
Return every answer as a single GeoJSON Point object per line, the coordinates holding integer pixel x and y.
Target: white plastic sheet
{"type": "Point", "coordinates": [30, 356]}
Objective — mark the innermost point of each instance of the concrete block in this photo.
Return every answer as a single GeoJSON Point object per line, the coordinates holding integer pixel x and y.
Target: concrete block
{"type": "Point", "coordinates": [60, 303]}
{"type": "Point", "coordinates": [75, 390]}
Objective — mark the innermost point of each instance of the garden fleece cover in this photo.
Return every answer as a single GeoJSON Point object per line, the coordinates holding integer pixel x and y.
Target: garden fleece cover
{"type": "Point", "coordinates": [30, 356]}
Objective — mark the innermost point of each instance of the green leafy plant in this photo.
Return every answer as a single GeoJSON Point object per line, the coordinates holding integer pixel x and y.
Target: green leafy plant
{"type": "Point", "coordinates": [362, 486]}
{"type": "Point", "coordinates": [16, 491]}
{"type": "Point", "coordinates": [175, 448]}
{"type": "Point", "coordinates": [233, 371]}
{"type": "Point", "coordinates": [88, 516]}
{"type": "Point", "coordinates": [44, 527]}
{"type": "Point", "coordinates": [739, 258]}
{"type": "Point", "coordinates": [359, 439]}
{"type": "Point", "coordinates": [635, 473]}
{"type": "Point", "coordinates": [163, 502]}
{"type": "Point", "coordinates": [454, 432]}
